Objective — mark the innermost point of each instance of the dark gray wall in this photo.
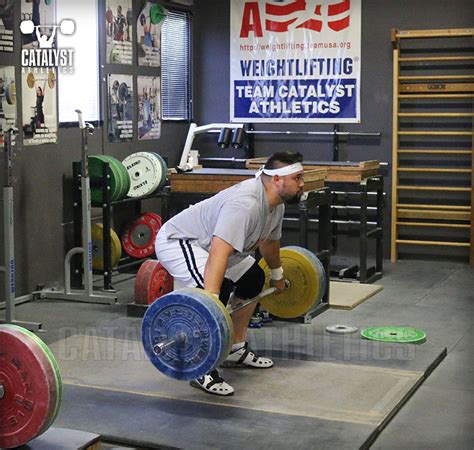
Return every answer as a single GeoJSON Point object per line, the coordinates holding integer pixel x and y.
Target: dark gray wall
{"type": "Point", "coordinates": [212, 81]}
{"type": "Point", "coordinates": [43, 185]}
{"type": "Point", "coordinates": [42, 188]}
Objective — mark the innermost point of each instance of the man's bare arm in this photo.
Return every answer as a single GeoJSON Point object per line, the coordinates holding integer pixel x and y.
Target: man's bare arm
{"type": "Point", "coordinates": [216, 264]}
{"type": "Point", "coordinates": [270, 250]}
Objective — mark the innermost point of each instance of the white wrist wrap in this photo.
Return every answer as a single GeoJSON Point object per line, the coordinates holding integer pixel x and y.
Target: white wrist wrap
{"type": "Point", "coordinates": [276, 274]}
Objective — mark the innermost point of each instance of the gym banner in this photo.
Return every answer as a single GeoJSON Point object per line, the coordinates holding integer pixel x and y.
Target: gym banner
{"type": "Point", "coordinates": [295, 61]}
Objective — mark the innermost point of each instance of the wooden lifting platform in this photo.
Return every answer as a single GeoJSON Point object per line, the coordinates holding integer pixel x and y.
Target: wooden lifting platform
{"type": "Point", "coordinates": [338, 171]}
{"type": "Point", "coordinates": [211, 181]}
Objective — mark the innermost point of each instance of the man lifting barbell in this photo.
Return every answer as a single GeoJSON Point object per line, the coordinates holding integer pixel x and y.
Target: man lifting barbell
{"type": "Point", "coordinates": [210, 245]}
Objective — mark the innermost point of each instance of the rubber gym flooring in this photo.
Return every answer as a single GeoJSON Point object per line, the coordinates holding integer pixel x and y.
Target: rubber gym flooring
{"type": "Point", "coordinates": [325, 391]}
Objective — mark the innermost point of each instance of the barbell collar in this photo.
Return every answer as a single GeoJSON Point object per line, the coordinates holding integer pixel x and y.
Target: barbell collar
{"type": "Point", "coordinates": [161, 347]}
{"type": "Point", "coordinates": [2, 391]}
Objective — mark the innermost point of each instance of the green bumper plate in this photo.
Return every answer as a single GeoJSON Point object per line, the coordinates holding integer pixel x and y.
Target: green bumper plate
{"type": "Point", "coordinates": [401, 335]}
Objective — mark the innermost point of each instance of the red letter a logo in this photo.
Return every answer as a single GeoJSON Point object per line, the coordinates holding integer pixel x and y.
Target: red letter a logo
{"type": "Point", "coordinates": [251, 20]}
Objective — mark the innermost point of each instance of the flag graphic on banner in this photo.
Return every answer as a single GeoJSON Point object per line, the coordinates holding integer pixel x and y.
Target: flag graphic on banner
{"type": "Point", "coordinates": [281, 16]}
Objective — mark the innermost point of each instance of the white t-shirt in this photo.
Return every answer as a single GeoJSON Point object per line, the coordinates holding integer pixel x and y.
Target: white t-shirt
{"type": "Point", "coordinates": [239, 215]}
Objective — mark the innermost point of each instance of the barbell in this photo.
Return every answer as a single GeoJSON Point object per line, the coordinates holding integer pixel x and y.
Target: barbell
{"type": "Point", "coordinates": [31, 79]}
{"type": "Point", "coordinates": [30, 386]}
{"type": "Point", "coordinates": [189, 332]}
{"type": "Point", "coordinates": [66, 26]}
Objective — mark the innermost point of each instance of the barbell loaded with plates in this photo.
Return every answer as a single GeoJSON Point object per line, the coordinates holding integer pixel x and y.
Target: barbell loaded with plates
{"type": "Point", "coordinates": [189, 332]}
{"type": "Point", "coordinates": [30, 386]}
{"type": "Point", "coordinates": [31, 79]}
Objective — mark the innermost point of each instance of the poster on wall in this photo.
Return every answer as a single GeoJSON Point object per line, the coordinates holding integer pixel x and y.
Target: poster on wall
{"type": "Point", "coordinates": [7, 100]}
{"type": "Point", "coordinates": [149, 113]}
{"type": "Point", "coordinates": [149, 24]}
{"type": "Point", "coordinates": [295, 61]}
{"type": "Point", "coordinates": [39, 99]}
{"type": "Point", "coordinates": [120, 108]}
{"type": "Point", "coordinates": [119, 30]}
{"type": "Point", "coordinates": [43, 18]}
{"type": "Point", "coordinates": [6, 25]}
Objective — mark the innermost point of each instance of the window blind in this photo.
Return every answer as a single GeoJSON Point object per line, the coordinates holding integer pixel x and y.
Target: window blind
{"type": "Point", "coordinates": [176, 66]}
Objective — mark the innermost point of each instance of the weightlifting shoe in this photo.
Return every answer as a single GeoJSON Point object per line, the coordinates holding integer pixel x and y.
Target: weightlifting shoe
{"type": "Point", "coordinates": [244, 357]}
{"type": "Point", "coordinates": [212, 383]}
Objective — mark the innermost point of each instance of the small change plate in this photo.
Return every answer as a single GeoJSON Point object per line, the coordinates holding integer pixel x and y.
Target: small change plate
{"type": "Point", "coordinates": [341, 329]}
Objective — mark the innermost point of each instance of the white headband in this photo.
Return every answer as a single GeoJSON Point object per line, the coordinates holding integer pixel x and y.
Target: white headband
{"type": "Point", "coordinates": [282, 171]}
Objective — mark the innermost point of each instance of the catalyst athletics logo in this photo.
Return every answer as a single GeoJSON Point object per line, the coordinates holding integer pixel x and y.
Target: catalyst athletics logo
{"type": "Point", "coordinates": [46, 56]}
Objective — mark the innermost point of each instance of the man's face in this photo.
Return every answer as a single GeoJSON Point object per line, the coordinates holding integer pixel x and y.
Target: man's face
{"type": "Point", "coordinates": [291, 187]}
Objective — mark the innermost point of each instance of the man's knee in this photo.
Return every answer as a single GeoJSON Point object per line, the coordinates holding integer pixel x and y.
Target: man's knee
{"type": "Point", "coordinates": [250, 284]}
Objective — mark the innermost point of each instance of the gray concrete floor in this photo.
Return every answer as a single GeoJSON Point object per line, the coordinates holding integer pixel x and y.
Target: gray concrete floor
{"type": "Point", "coordinates": [437, 297]}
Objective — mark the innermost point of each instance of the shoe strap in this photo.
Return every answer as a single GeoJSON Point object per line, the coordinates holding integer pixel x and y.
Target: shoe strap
{"type": "Point", "coordinates": [215, 379]}
{"type": "Point", "coordinates": [244, 354]}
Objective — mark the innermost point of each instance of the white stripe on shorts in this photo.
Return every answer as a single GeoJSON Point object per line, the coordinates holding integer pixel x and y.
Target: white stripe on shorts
{"type": "Point", "coordinates": [185, 260]}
